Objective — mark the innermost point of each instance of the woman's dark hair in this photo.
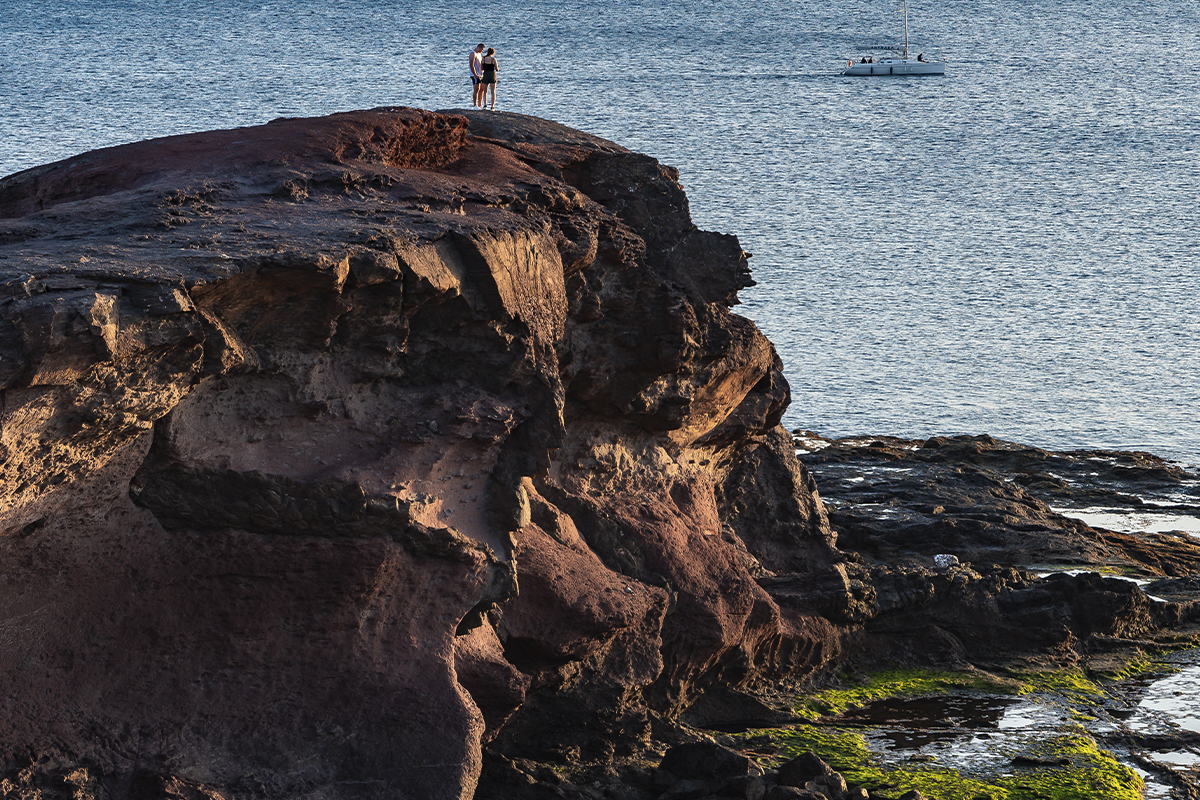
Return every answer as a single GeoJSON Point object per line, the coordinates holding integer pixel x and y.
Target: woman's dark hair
{"type": "Point", "coordinates": [491, 51]}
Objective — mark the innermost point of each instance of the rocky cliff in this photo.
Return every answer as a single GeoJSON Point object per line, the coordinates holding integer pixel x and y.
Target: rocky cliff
{"type": "Point", "coordinates": [337, 451]}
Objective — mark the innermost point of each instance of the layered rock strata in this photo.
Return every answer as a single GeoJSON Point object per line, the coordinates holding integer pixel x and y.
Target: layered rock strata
{"type": "Point", "coordinates": [337, 449]}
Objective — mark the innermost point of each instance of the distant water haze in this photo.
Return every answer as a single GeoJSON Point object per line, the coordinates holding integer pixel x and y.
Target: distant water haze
{"type": "Point", "coordinates": [1010, 249]}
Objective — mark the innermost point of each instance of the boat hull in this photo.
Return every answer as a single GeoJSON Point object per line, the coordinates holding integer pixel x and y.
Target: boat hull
{"type": "Point", "coordinates": [895, 67]}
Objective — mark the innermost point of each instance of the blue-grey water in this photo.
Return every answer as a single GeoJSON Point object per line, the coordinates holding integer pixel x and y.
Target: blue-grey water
{"type": "Point", "coordinates": [1012, 248]}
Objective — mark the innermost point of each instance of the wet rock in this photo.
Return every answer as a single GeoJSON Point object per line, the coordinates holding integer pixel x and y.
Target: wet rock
{"type": "Point", "coordinates": [986, 500]}
{"type": "Point", "coordinates": [1000, 615]}
{"type": "Point", "coordinates": [913, 508]}
{"type": "Point", "coordinates": [1029, 760]}
{"type": "Point", "coordinates": [1183, 589]}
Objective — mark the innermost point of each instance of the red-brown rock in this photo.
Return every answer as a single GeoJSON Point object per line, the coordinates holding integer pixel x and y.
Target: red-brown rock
{"type": "Point", "coordinates": [335, 449]}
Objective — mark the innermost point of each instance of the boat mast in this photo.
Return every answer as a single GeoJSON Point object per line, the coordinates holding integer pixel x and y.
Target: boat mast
{"type": "Point", "coordinates": [906, 28]}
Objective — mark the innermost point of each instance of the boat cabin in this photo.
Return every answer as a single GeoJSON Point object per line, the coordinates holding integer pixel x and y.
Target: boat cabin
{"type": "Point", "coordinates": [892, 60]}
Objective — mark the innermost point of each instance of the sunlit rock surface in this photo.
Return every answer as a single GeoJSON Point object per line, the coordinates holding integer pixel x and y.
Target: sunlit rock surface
{"type": "Point", "coordinates": [337, 449]}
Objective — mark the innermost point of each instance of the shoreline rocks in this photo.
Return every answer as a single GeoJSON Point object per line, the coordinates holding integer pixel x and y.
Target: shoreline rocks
{"type": "Point", "coordinates": [903, 504]}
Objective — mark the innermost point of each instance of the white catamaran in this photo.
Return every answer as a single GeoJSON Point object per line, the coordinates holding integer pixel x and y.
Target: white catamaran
{"type": "Point", "coordinates": [893, 59]}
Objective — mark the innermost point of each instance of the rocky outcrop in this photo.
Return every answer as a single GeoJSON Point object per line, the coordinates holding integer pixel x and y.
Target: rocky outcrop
{"type": "Point", "coordinates": [964, 553]}
{"type": "Point", "coordinates": [336, 450]}
{"type": "Point", "coordinates": [985, 500]}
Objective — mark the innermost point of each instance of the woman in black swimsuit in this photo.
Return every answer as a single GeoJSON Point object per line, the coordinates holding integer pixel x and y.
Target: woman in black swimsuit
{"type": "Point", "coordinates": [489, 79]}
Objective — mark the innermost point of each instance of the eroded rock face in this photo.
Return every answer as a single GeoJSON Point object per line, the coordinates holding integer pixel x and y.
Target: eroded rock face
{"type": "Point", "coordinates": [338, 448]}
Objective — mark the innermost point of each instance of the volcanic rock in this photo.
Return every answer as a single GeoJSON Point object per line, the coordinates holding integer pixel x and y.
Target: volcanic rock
{"type": "Point", "coordinates": [961, 558]}
{"type": "Point", "coordinates": [400, 454]}
{"type": "Point", "coordinates": [984, 500]}
{"type": "Point", "coordinates": [337, 448]}
{"type": "Point", "coordinates": [802, 769]}
{"type": "Point", "coordinates": [705, 760]}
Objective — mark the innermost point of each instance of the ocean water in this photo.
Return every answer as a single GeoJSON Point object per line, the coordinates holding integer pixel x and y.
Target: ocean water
{"type": "Point", "coordinates": [1010, 249]}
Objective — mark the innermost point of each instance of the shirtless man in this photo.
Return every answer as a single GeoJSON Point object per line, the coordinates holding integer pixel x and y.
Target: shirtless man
{"type": "Point", "coordinates": [476, 75]}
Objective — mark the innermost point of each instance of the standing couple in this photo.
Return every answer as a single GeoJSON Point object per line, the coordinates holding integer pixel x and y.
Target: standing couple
{"type": "Point", "coordinates": [483, 75]}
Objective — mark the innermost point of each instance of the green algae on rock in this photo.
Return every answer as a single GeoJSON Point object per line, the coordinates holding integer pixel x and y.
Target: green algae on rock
{"type": "Point", "coordinates": [1061, 762]}
{"type": "Point", "coordinates": [1066, 767]}
{"type": "Point", "coordinates": [848, 753]}
{"type": "Point", "coordinates": [1071, 684]}
{"type": "Point", "coordinates": [1088, 772]}
{"type": "Point", "coordinates": [901, 683]}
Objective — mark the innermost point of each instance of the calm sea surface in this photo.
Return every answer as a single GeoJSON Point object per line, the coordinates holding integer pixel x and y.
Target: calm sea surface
{"type": "Point", "coordinates": [1010, 249]}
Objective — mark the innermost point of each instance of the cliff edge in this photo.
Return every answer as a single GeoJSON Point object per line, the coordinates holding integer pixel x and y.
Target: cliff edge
{"type": "Point", "coordinates": [337, 451]}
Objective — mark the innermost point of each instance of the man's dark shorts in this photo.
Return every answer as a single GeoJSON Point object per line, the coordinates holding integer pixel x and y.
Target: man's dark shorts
{"type": "Point", "coordinates": [475, 80]}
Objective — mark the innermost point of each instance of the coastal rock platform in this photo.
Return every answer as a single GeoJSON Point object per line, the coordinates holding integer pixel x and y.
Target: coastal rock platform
{"type": "Point", "coordinates": [972, 547]}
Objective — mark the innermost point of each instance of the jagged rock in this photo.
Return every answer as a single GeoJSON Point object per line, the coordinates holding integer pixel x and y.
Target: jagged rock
{"type": "Point", "coordinates": [375, 455]}
{"type": "Point", "coordinates": [705, 760]}
{"type": "Point", "coordinates": [748, 787]}
{"type": "Point", "coordinates": [832, 785]}
{"type": "Point", "coordinates": [773, 506]}
{"type": "Point", "coordinates": [335, 448]}
{"type": "Point", "coordinates": [687, 789]}
{"type": "Point", "coordinates": [781, 792]}
{"type": "Point", "coordinates": [802, 769]}
{"type": "Point", "coordinates": [725, 709]}
{"type": "Point", "coordinates": [998, 615]}
{"type": "Point", "coordinates": [1185, 589]}
{"type": "Point", "coordinates": [906, 504]}
{"type": "Point", "coordinates": [497, 687]}
{"type": "Point", "coordinates": [986, 500]}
